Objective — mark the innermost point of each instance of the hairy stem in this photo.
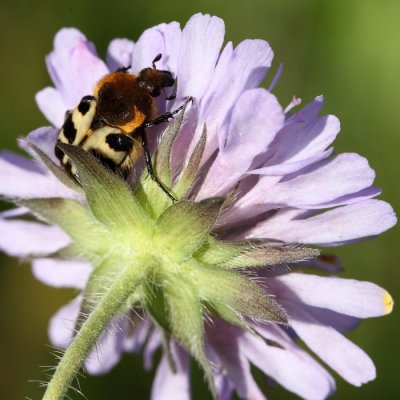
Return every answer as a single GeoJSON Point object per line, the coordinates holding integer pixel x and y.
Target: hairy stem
{"type": "Point", "coordinates": [87, 336]}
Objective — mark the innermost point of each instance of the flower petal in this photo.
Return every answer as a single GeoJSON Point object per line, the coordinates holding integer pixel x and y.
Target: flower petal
{"type": "Point", "coordinates": [162, 39]}
{"type": "Point", "coordinates": [169, 385]}
{"type": "Point", "coordinates": [14, 212]}
{"type": "Point", "coordinates": [23, 238]}
{"type": "Point", "coordinates": [290, 167]}
{"type": "Point", "coordinates": [293, 369]}
{"type": "Point", "coordinates": [201, 43]}
{"type": "Point", "coordinates": [303, 140]}
{"type": "Point", "coordinates": [119, 53]}
{"type": "Point", "coordinates": [62, 324]}
{"type": "Point", "coordinates": [61, 273]}
{"type": "Point", "coordinates": [74, 66]}
{"type": "Point", "coordinates": [345, 296]}
{"type": "Point", "coordinates": [341, 322]}
{"type": "Point", "coordinates": [18, 161]}
{"type": "Point", "coordinates": [347, 359]}
{"type": "Point", "coordinates": [320, 183]}
{"type": "Point", "coordinates": [341, 180]}
{"type": "Point", "coordinates": [52, 105]}
{"type": "Point", "coordinates": [364, 194]}
{"type": "Point", "coordinates": [45, 139]}
{"type": "Point", "coordinates": [107, 351]}
{"type": "Point", "coordinates": [223, 385]}
{"type": "Point", "coordinates": [153, 343]}
{"type": "Point", "coordinates": [275, 81]}
{"type": "Point", "coordinates": [224, 341]}
{"type": "Point", "coordinates": [137, 336]}
{"type": "Point", "coordinates": [331, 228]}
{"type": "Point", "coordinates": [21, 177]}
{"type": "Point", "coordinates": [237, 70]}
{"type": "Point", "coordinates": [250, 131]}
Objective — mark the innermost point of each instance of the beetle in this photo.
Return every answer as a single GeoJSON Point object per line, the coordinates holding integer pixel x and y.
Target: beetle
{"type": "Point", "coordinates": [111, 124]}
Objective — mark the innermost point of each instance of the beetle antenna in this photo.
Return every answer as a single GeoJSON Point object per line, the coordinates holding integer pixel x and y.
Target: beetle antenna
{"type": "Point", "coordinates": [124, 69]}
{"type": "Point", "coordinates": [156, 59]}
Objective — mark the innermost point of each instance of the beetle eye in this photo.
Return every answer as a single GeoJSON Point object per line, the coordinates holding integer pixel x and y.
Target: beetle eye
{"type": "Point", "coordinates": [168, 79]}
{"type": "Point", "coordinates": [155, 91]}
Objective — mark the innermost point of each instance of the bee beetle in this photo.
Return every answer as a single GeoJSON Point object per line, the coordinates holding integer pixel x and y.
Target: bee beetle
{"type": "Point", "coordinates": [111, 123]}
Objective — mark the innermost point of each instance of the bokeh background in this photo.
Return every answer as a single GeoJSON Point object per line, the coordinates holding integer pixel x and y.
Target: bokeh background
{"type": "Point", "coordinates": [347, 50]}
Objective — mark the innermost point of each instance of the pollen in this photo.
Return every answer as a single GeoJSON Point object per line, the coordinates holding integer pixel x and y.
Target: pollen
{"type": "Point", "coordinates": [388, 303]}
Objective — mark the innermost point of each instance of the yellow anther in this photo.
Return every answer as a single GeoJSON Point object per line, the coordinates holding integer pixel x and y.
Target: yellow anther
{"type": "Point", "coordinates": [388, 302]}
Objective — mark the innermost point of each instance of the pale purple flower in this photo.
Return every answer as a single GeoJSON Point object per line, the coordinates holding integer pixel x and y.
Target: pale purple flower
{"type": "Point", "coordinates": [289, 186]}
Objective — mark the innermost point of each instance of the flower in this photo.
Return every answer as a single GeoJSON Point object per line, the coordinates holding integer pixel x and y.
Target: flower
{"type": "Point", "coordinates": [254, 180]}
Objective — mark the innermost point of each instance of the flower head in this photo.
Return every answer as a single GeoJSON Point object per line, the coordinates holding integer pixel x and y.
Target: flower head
{"type": "Point", "coordinates": [199, 277]}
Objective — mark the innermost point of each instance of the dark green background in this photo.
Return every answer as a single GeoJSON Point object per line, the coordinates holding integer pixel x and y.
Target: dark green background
{"type": "Point", "coordinates": [347, 50]}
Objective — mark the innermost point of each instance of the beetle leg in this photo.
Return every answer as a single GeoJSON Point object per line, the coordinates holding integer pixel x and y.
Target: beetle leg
{"type": "Point", "coordinates": [165, 117]}
{"type": "Point", "coordinates": [149, 166]}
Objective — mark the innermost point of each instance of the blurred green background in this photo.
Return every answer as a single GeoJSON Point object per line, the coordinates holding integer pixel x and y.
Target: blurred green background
{"type": "Point", "coordinates": [347, 50]}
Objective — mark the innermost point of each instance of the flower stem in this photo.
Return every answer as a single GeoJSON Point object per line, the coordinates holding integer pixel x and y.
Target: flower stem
{"type": "Point", "coordinates": [87, 336]}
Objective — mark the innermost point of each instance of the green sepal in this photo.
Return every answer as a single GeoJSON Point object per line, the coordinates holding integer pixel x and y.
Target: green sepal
{"type": "Point", "coordinates": [175, 308]}
{"type": "Point", "coordinates": [60, 173]}
{"type": "Point", "coordinates": [189, 174]}
{"type": "Point", "coordinates": [151, 197]}
{"type": "Point", "coordinates": [251, 253]}
{"type": "Point", "coordinates": [148, 193]}
{"type": "Point", "coordinates": [227, 287]}
{"type": "Point", "coordinates": [134, 300]}
{"type": "Point", "coordinates": [229, 315]}
{"type": "Point", "coordinates": [260, 255]}
{"type": "Point", "coordinates": [185, 316]}
{"type": "Point", "coordinates": [101, 278]}
{"type": "Point", "coordinates": [184, 226]}
{"type": "Point", "coordinates": [74, 218]}
{"type": "Point", "coordinates": [69, 252]}
{"type": "Point", "coordinates": [76, 252]}
{"type": "Point", "coordinates": [215, 252]}
{"type": "Point", "coordinates": [109, 197]}
{"type": "Point", "coordinates": [162, 163]}
{"type": "Point", "coordinates": [154, 301]}
{"type": "Point", "coordinates": [166, 348]}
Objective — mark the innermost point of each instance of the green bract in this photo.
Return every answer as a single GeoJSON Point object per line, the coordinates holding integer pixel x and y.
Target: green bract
{"type": "Point", "coordinates": [148, 252]}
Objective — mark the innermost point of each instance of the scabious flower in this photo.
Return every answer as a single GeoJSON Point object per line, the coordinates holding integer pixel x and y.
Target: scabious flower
{"type": "Point", "coordinates": [199, 277]}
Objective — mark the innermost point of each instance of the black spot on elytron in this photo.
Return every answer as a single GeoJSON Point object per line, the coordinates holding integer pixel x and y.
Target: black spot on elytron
{"type": "Point", "coordinates": [59, 153]}
{"type": "Point", "coordinates": [67, 114]}
{"type": "Point", "coordinates": [69, 129]}
{"type": "Point", "coordinates": [84, 105]}
{"type": "Point", "coordinates": [119, 142]}
{"type": "Point", "coordinates": [97, 122]}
